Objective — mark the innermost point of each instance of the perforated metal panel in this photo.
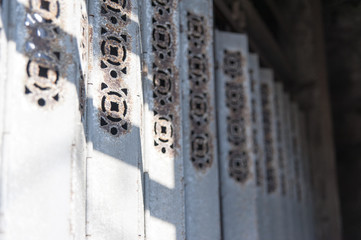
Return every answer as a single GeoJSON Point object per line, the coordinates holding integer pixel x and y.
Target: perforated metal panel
{"type": "Point", "coordinates": [199, 121]}
{"type": "Point", "coordinates": [114, 105]}
{"type": "Point", "coordinates": [273, 189]}
{"type": "Point", "coordinates": [163, 152]}
{"type": "Point", "coordinates": [237, 171]}
{"type": "Point", "coordinates": [43, 149]}
{"type": "Point", "coordinates": [258, 144]}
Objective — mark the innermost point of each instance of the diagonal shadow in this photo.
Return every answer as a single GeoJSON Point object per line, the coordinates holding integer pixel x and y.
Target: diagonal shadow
{"type": "Point", "coordinates": [76, 79]}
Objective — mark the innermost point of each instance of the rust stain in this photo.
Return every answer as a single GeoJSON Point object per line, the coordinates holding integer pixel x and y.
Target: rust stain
{"type": "Point", "coordinates": [255, 131]}
{"type": "Point", "coordinates": [200, 113]}
{"type": "Point", "coordinates": [281, 160]}
{"type": "Point", "coordinates": [83, 52]}
{"type": "Point", "coordinates": [115, 45]}
{"type": "Point", "coordinates": [238, 117]}
{"type": "Point", "coordinates": [268, 139]}
{"type": "Point", "coordinates": [165, 79]}
{"type": "Point", "coordinates": [90, 47]}
{"type": "Point", "coordinates": [47, 57]}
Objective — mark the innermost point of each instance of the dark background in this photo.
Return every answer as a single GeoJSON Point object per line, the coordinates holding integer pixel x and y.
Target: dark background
{"type": "Point", "coordinates": [320, 44]}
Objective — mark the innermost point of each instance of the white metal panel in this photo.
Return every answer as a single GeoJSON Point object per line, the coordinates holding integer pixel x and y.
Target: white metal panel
{"type": "Point", "coordinates": [238, 185]}
{"type": "Point", "coordinates": [43, 141]}
{"type": "Point", "coordinates": [273, 188]}
{"type": "Point", "coordinates": [163, 153]}
{"type": "Point", "coordinates": [78, 179]}
{"type": "Point", "coordinates": [3, 72]}
{"type": "Point", "coordinates": [290, 187]}
{"type": "Point", "coordinates": [199, 127]}
{"type": "Point", "coordinates": [115, 207]}
{"type": "Point", "coordinates": [282, 157]}
{"type": "Point", "coordinates": [258, 144]}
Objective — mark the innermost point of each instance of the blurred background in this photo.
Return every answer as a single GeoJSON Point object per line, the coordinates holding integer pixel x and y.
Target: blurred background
{"type": "Point", "coordinates": [314, 47]}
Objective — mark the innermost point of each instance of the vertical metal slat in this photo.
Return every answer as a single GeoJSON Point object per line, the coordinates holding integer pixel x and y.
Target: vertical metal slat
{"type": "Point", "coordinates": [163, 152]}
{"type": "Point", "coordinates": [202, 211]}
{"type": "Point", "coordinates": [115, 207]}
{"type": "Point", "coordinates": [237, 170]}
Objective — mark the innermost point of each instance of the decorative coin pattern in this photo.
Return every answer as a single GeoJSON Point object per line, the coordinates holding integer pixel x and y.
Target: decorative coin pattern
{"type": "Point", "coordinates": [42, 47]}
{"type": "Point", "coordinates": [198, 76]}
{"type": "Point", "coordinates": [238, 157]}
{"type": "Point", "coordinates": [255, 133]}
{"type": "Point", "coordinates": [268, 139]}
{"type": "Point", "coordinates": [115, 47]}
{"type": "Point", "coordinates": [165, 75]}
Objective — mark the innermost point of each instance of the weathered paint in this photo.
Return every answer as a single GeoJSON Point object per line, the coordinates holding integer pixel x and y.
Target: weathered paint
{"type": "Point", "coordinates": [199, 127]}
{"type": "Point", "coordinates": [78, 178]}
{"type": "Point", "coordinates": [115, 208]}
{"type": "Point", "coordinates": [43, 139]}
{"type": "Point", "coordinates": [258, 144]}
{"type": "Point", "coordinates": [162, 126]}
{"type": "Point", "coordinates": [274, 209]}
{"type": "Point", "coordinates": [236, 163]}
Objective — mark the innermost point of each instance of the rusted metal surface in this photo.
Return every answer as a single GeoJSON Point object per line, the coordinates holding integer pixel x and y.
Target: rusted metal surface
{"type": "Point", "coordinates": [115, 49]}
{"type": "Point", "coordinates": [165, 75]}
{"type": "Point", "coordinates": [280, 138]}
{"type": "Point", "coordinates": [45, 68]}
{"type": "Point", "coordinates": [199, 121]}
{"type": "Point", "coordinates": [237, 168]}
{"type": "Point", "coordinates": [238, 157]}
{"type": "Point", "coordinates": [42, 67]}
{"type": "Point", "coordinates": [83, 47]}
{"type": "Point", "coordinates": [268, 138]}
{"type": "Point", "coordinates": [274, 204]}
{"type": "Point", "coordinates": [162, 125]}
{"type": "Point", "coordinates": [256, 116]}
{"type": "Point", "coordinates": [115, 208]}
{"type": "Point", "coordinates": [199, 102]}
{"type": "Point", "coordinates": [258, 146]}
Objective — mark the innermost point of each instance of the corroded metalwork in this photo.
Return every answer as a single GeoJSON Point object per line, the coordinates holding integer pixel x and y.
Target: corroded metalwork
{"type": "Point", "coordinates": [115, 48]}
{"type": "Point", "coordinates": [296, 154]}
{"type": "Point", "coordinates": [280, 146]}
{"type": "Point", "coordinates": [255, 140]}
{"type": "Point", "coordinates": [165, 75]}
{"type": "Point", "coordinates": [83, 52]}
{"type": "Point", "coordinates": [268, 139]}
{"type": "Point", "coordinates": [199, 114]}
{"type": "Point", "coordinates": [44, 68]}
{"type": "Point", "coordinates": [238, 157]}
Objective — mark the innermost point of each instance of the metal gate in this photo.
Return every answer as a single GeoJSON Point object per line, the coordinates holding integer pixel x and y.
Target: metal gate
{"type": "Point", "coordinates": [126, 119]}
